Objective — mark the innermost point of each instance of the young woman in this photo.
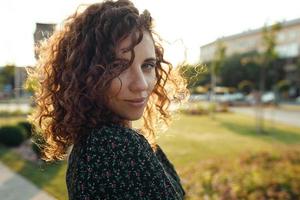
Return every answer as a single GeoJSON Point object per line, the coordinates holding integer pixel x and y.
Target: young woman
{"type": "Point", "coordinates": [102, 70]}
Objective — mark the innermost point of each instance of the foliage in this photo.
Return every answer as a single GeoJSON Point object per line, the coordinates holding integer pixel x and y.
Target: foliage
{"type": "Point", "coordinates": [218, 58]}
{"type": "Point", "coordinates": [195, 145]}
{"type": "Point", "coordinates": [251, 176]}
{"type": "Point", "coordinates": [12, 135]}
{"type": "Point", "coordinates": [269, 43]}
{"type": "Point", "coordinates": [27, 126]}
{"type": "Point", "coordinates": [195, 75]}
{"type": "Point", "coordinates": [246, 86]}
{"type": "Point", "coordinates": [235, 70]}
{"type": "Point", "coordinates": [283, 85]}
{"type": "Point", "coordinates": [7, 74]}
{"type": "Point", "coordinates": [31, 82]}
{"type": "Point", "coordinates": [46, 176]}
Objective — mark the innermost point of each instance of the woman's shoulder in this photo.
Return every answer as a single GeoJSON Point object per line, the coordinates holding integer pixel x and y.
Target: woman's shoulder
{"type": "Point", "coordinates": [113, 132]}
{"type": "Point", "coordinates": [113, 136]}
{"type": "Point", "coordinates": [107, 139]}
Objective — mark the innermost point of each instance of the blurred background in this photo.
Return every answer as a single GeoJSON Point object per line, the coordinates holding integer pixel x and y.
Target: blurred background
{"type": "Point", "coordinates": [238, 136]}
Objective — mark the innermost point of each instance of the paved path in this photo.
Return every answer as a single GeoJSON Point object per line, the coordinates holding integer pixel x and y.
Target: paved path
{"type": "Point", "coordinates": [284, 116]}
{"type": "Point", "coordinates": [15, 187]}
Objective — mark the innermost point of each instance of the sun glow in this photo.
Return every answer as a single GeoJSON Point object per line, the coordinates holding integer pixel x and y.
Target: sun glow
{"type": "Point", "coordinates": [184, 25]}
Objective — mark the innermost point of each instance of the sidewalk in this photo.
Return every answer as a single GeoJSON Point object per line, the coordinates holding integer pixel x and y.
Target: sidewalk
{"type": "Point", "coordinates": [273, 114]}
{"type": "Point", "coordinates": [15, 187]}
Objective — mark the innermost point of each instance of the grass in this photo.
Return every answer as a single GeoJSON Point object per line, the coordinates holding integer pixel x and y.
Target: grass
{"type": "Point", "coordinates": [11, 120]}
{"type": "Point", "coordinates": [194, 138]}
{"type": "Point", "coordinates": [189, 141]}
{"type": "Point", "coordinates": [49, 177]}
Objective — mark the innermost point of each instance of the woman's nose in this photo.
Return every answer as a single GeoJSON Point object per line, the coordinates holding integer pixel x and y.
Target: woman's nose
{"type": "Point", "coordinates": [138, 81]}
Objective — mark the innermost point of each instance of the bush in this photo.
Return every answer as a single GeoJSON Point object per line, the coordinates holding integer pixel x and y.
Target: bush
{"type": "Point", "coordinates": [27, 126]}
{"type": "Point", "coordinates": [251, 176]}
{"type": "Point", "coordinates": [12, 135]}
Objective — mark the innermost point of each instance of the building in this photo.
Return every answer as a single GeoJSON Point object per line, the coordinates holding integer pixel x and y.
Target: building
{"type": "Point", "coordinates": [287, 47]}
{"type": "Point", "coordinates": [288, 42]}
{"type": "Point", "coordinates": [42, 32]}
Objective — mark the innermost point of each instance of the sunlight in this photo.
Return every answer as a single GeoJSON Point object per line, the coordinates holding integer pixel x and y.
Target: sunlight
{"type": "Point", "coordinates": [196, 23]}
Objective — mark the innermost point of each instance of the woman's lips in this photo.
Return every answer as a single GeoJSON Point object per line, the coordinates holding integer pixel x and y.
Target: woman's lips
{"type": "Point", "coordinates": [136, 102]}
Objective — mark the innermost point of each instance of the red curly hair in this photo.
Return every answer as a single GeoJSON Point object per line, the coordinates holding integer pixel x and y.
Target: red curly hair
{"type": "Point", "coordinates": [76, 66]}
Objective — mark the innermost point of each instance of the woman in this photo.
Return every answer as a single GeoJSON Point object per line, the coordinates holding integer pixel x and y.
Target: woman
{"type": "Point", "coordinates": [104, 69]}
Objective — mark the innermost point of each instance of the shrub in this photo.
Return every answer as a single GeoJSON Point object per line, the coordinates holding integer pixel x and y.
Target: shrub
{"type": "Point", "coordinates": [252, 176]}
{"type": "Point", "coordinates": [27, 126]}
{"type": "Point", "coordinates": [12, 135]}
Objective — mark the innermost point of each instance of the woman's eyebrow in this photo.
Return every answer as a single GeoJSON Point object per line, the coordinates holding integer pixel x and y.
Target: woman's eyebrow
{"type": "Point", "coordinates": [151, 59]}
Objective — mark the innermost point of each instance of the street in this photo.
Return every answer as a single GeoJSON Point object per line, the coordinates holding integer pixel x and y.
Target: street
{"type": "Point", "coordinates": [280, 115]}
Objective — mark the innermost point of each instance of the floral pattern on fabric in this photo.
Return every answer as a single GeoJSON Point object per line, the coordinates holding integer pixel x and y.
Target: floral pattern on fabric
{"type": "Point", "coordinates": [116, 162]}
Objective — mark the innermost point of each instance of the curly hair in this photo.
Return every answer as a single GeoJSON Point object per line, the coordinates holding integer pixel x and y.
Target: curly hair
{"type": "Point", "coordinates": [76, 66]}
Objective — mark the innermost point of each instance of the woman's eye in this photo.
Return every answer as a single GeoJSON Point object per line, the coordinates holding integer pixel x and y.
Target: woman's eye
{"type": "Point", "coordinates": [148, 66]}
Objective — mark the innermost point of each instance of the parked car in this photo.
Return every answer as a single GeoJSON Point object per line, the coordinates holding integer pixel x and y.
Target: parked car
{"type": "Point", "coordinates": [199, 97]}
{"type": "Point", "coordinates": [229, 98]}
{"type": "Point", "coordinates": [267, 98]}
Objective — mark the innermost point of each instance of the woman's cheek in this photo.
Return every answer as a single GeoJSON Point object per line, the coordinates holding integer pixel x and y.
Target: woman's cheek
{"type": "Point", "coordinates": [152, 82]}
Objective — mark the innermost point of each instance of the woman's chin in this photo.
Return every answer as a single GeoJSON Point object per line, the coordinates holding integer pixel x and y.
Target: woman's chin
{"type": "Point", "coordinates": [133, 116]}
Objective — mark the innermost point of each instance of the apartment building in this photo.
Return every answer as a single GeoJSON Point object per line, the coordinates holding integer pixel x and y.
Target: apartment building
{"type": "Point", "coordinates": [288, 42]}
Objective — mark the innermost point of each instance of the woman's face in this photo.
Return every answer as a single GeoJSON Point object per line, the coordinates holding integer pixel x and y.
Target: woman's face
{"type": "Point", "coordinates": [129, 92]}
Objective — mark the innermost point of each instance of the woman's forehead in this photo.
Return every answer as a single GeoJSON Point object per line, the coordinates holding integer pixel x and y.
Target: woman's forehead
{"type": "Point", "coordinates": [123, 49]}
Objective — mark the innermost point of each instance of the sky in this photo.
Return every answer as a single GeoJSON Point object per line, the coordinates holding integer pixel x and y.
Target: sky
{"type": "Point", "coordinates": [185, 25]}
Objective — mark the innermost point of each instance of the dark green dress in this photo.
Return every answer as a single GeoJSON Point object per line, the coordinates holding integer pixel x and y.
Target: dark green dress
{"type": "Point", "coordinates": [116, 162]}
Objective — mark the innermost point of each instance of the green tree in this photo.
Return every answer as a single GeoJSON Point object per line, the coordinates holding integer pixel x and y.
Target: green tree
{"type": "Point", "coordinates": [31, 83]}
{"type": "Point", "coordinates": [7, 74]}
{"type": "Point", "coordinates": [267, 61]}
{"type": "Point", "coordinates": [215, 69]}
{"type": "Point", "coordinates": [269, 56]}
{"type": "Point", "coordinates": [195, 75]}
{"type": "Point", "coordinates": [234, 70]}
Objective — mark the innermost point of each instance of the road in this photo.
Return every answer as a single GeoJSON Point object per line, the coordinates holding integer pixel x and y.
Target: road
{"type": "Point", "coordinates": [275, 114]}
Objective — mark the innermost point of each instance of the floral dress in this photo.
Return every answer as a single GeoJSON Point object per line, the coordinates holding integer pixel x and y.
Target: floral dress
{"type": "Point", "coordinates": [116, 162]}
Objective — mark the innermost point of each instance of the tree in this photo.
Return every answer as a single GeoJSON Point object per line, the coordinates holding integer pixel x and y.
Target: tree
{"type": "Point", "coordinates": [234, 70]}
{"type": "Point", "coordinates": [217, 62]}
{"type": "Point", "coordinates": [267, 60]}
{"type": "Point", "coordinates": [7, 74]}
{"type": "Point", "coordinates": [195, 75]}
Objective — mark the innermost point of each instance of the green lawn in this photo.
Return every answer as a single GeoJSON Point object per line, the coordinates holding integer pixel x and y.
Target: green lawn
{"type": "Point", "coordinates": [193, 138]}
{"type": "Point", "coordinates": [189, 141]}
{"type": "Point", "coordinates": [49, 177]}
